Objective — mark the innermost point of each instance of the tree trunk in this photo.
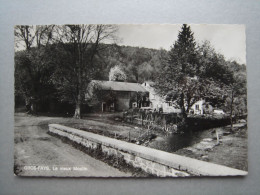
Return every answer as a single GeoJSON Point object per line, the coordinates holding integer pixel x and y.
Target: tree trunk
{"type": "Point", "coordinates": [78, 102]}
{"type": "Point", "coordinates": [27, 104]}
{"type": "Point", "coordinates": [231, 122]}
{"type": "Point", "coordinates": [34, 108]}
{"type": "Point", "coordinates": [183, 110]}
{"type": "Point", "coordinates": [31, 105]}
{"type": "Point", "coordinates": [231, 110]}
{"type": "Point", "coordinates": [184, 115]}
{"type": "Point", "coordinates": [77, 113]}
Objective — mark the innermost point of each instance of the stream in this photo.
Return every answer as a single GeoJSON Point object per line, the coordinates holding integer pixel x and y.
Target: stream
{"type": "Point", "coordinates": [174, 142]}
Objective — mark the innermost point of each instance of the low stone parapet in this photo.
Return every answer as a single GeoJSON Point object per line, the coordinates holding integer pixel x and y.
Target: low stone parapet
{"type": "Point", "coordinates": [152, 161]}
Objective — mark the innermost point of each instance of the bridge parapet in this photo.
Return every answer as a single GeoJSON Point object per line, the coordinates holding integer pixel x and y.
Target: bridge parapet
{"type": "Point", "coordinates": [152, 161]}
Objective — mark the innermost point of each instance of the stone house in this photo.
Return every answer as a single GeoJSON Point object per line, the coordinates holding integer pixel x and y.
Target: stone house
{"type": "Point", "coordinates": [158, 102]}
{"type": "Point", "coordinates": [116, 96]}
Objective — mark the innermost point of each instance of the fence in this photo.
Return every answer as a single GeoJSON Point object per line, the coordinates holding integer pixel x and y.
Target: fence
{"type": "Point", "coordinates": [171, 122]}
{"type": "Point", "coordinates": [150, 118]}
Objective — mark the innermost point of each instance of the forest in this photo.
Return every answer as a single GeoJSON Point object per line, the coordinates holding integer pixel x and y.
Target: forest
{"type": "Point", "coordinates": [54, 64]}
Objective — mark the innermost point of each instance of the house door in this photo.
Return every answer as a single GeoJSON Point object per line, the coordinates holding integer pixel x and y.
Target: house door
{"type": "Point", "coordinates": [104, 106]}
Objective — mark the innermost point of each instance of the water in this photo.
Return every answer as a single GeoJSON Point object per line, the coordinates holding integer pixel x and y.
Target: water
{"type": "Point", "coordinates": [175, 142]}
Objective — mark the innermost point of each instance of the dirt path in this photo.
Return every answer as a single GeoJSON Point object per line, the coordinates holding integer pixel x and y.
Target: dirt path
{"type": "Point", "coordinates": [33, 146]}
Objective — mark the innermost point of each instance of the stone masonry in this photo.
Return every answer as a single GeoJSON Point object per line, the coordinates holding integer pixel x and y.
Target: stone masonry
{"type": "Point", "coordinates": [150, 160]}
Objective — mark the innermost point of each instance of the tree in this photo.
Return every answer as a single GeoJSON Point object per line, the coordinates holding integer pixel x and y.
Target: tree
{"type": "Point", "coordinates": [145, 71]}
{"type": "Point", "coordinates": [32, 67]}
{"type": "Point", "coordinates": [117, 74]}
{"type": "Point", "coordinates": [24, 36]}
{"type": "Point", "coordinates": [227, 79]}
{"type": "Point", "coordinates": [32, 36]}
{"type": "Point", "coordinates": [178, 80]}
{"type": "Point", "coordinates": [213, 65]}
{"type": "Point", "coordinates": [33, 70]}
{"type": "Point", "coordinates": [236, 97]}
{"type": "Point", "coordinates": [81, 46]}
{"type": "Point", "coordinates": [215, 73]}
{"type": "Point", "coordinates": [139, 64]}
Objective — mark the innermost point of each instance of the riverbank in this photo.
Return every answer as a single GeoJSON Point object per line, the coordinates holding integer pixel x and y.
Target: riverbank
{"type": "Point", "coordinates": [217, 145]}
{"type": "Point", "coordinates": [231, 150]}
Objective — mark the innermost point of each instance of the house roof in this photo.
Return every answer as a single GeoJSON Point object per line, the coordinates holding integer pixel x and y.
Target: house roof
{"type": "Point", "coordinates": [119, 86]}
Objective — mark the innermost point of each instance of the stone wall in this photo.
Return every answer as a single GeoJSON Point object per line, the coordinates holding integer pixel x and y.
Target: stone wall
{"type": "Point", "coordinates": [152, 161]}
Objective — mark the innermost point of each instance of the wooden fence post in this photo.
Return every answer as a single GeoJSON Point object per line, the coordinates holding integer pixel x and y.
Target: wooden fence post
{"type": "Point", "coordinates": [217, 136]}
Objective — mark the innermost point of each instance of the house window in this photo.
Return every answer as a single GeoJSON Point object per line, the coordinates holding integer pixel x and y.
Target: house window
{"type": "Point", "coordinates": [197, 107]}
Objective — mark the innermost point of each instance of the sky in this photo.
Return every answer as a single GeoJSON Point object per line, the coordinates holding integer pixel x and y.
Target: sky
{"type": "Point", "coordinates": [229, 40]}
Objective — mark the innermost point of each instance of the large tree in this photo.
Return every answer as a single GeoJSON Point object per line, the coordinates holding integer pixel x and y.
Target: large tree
{"type": "Point", "coordinates": [179, 80]}
{"type": "Point", "coordinates": [81, 47]}
{"type": "Point", "coordinates": [236, 92]}
{"type": "Point", "coordinates": [215, 74]}
{"type": "Point", "coordinates": [227, 88]}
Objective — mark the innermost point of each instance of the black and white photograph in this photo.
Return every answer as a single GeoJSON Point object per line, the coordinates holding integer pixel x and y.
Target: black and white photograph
{"type": "Point", "coordinates": [130, 100]}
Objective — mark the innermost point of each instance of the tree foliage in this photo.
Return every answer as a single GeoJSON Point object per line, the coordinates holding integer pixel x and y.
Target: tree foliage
{"type": "Point", "coordinates": [192, 72]}
{"type": "Point", "coordinates": [178, 79]}
{"type": "Point", "coordinates": [117, 74]}
{"type": "Point", "coordinates": [73, 53]}
{"type": "Point", "coordinates": [32, 65]}
{"type": "Point", "coordinates": [81, 45]}
{"type": "Point", "coordinates": [60, 61]}
{"type": "Point", "coordinates": [236, 92]}
{"type": "Point", "coordinates": [139, 64]}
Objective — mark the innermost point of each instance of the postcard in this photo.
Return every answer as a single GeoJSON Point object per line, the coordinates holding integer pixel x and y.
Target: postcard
{"type": "Point", "coordinates": [130, 100]}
